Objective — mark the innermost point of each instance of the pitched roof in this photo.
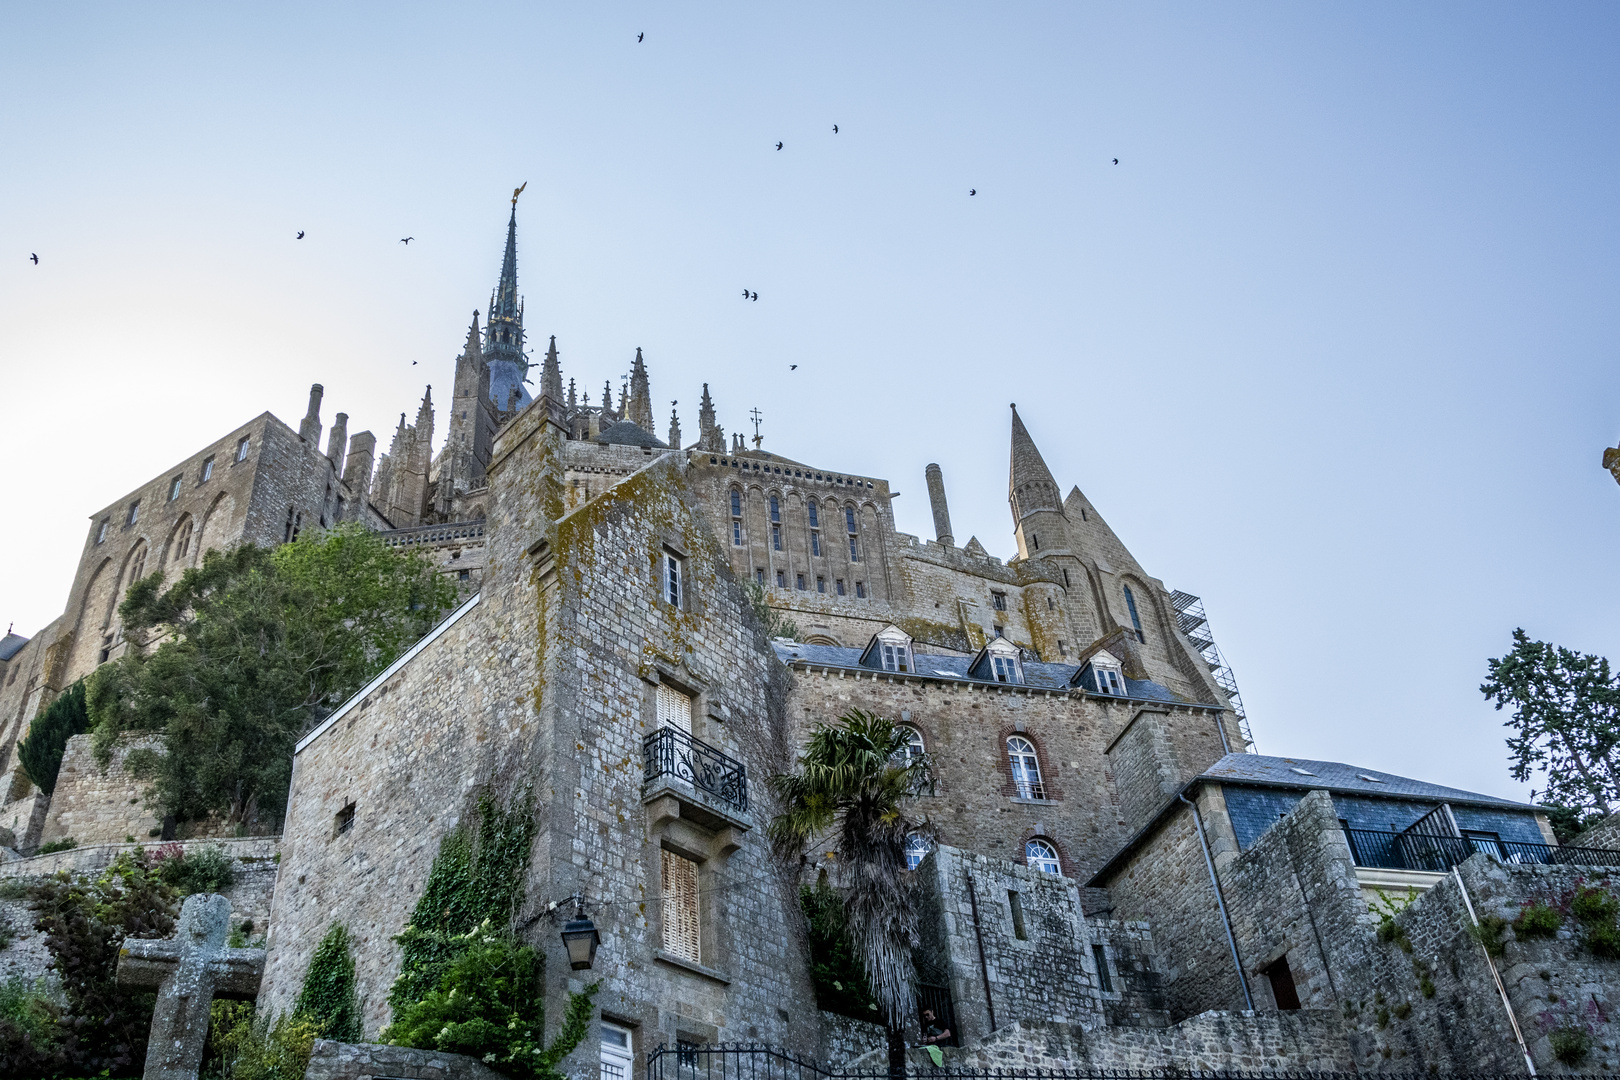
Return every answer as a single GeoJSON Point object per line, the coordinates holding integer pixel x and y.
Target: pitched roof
{"type": "Point", "coordinates": [10, 645]}
{"type": "Point", "coordinates": [1307, 774]}
{"type": "Point", "coordinates": [624, 433]}
{"type": "Point", "coordinates": [1038, 675]}
{"type": "Point", "coordinates": [1027, 463]}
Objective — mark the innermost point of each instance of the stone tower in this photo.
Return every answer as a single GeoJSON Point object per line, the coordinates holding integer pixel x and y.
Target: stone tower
{"type": "Point", "coordinates": [472, 424]}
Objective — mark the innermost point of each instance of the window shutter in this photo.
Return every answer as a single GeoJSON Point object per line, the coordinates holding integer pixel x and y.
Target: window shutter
{"type": "Point", "coordinates": [681, 930]}
{"type": "Point", "coordinates": [674, 709]}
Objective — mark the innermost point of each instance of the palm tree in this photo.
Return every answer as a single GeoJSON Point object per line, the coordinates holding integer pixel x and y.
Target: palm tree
{"type": "Point", "coordinates": [854, 787]}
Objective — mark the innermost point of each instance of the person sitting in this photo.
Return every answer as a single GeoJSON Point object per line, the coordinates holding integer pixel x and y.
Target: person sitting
{"type": "Point", "coordinates": [932, 1033]}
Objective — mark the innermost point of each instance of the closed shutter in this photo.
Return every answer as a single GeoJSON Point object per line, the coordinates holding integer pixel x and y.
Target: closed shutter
{"type": "Point", "coordinates": [674, 709]}
{"type": "Point", "coordinates": [681, 929]}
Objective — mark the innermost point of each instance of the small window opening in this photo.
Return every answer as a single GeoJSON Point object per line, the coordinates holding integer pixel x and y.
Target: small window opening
{"type": "Point", "coordinates": [759, 575]}
{"type": "Point", "coordinates": [860, 590]}
{"type": "Point", "coordinates": [1282, 984]}
{"type": "Point", "coordinates": [1104, 983]}
{"type": "Point", "coordinates": [174, 489]}
{"type": "Point", "coordinates": [776, 537]}
{"type": "Point", "coordinates": [1130, 602]}
{"type": "Point", "coordinates": [101, 533]}
{"type": "Point", "coordinates": [1065, 579]}
{"type": "Point", "coordinates": [776, 509]}
{"type": "Point", "coordinates": [839, 584]}
{"type": "Point", "coordinates": [815, 522]}
{"type": "Point", "coordinates": [781, 579]}
{"type": "Point", "coordinates": [674, 585]}
{"type": "Point", "coordinates": [207, 470]}
{"type": "Point", "coordinates": [242, 448]}
{"type": "Point", "coordinates": [344, 821]}
{"type": "Point", "coordinates": [1033, 539]}
{"type": "Point", "coordinates": [134, 513]}
{"type": "Point", "coordinates": [815, 542]}
{"type": "Point", "coordinates": [799, 582]}
{"type": "Point", "coordinates": [821, 584]}
{"type": "Point", "coordinates": [464, 575]}
{"type": "Point", "coordinates": [998, 600]}
{"type": "Point", "coordinates": [1016, 903]}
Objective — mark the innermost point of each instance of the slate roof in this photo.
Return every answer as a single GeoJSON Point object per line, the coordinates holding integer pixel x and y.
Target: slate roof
{"type": "Point", "coordinates": [1039, 675]}
{"type": "Point", "coordinates": [1263, 771]}
{"type": "Point", "coordinates": [10, 645]}
{"type": "Point", "coordinates": [624, 433]}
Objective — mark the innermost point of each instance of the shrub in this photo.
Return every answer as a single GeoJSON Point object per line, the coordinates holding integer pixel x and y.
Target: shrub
{"type": "Point", "coordinates": [1603, 940]}
{"type": "Point", "coordinates": [327, 998]}
{"type": "Point", "coordinates": [1537, 919]}
{"type": "Point", "coordinates": [30, 1029]}
{"type": "Point", "coordinates": [41, 752]}
{"type": "Point", "coordinates": [1489, 933]}
{"type": "Point", "coordinates": [64, 844]}
{"type": "Point", "coordinates": [1570, 1043]}
{"type": "Point", "coordinates": [248, 1046]}
{"type": "Point", "coordinates": [205, 870]}
{"type": "Point", "coordinates": [1594, 904]}
{"type": "Point", "coordinates": [490, 1005]}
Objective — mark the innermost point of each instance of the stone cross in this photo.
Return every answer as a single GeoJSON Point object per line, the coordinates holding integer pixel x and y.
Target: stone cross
{"type": "Point", "coordinates": [189, 971]}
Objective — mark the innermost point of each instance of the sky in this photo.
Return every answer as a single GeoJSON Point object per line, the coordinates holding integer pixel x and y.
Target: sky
{"type": "Point", "coordinates": [1332, 346]}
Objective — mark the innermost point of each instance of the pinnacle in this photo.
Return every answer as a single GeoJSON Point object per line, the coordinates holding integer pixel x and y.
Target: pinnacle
{"type": "Point", "coordinates": [1027, 465]}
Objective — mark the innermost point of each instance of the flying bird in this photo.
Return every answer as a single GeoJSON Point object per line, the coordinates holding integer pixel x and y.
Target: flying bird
{"type": "Point", "coordinates": [641, 35]}
{"type": "Point", "coordinates": [973, 191]}
{"type": "Point", "coordinates": [835, 129]}
{"type": "Point", "coordinates": [779, 146]}
{"type": "Point", "coordinates": [407, 240]}
{"type": "Point", "coordinates": [31, 255]}
{"type": "Point", "coordinates": [1116, 161]}
{"type": "Point", "coordinates": [745, 294]}
{"type": "Point", "coordinates": [413, 363]}
{"type": "Point", "coordinates": [754, 297]}
{"type": "Point", "coordinates": [300, 235]}
{"type": "Point", "coordinates": [793, 367]}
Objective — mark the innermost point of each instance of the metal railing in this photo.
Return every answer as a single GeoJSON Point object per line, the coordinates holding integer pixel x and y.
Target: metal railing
{"type": "Point", "coordinates": [1421, 851]}
{"type": "Point", "coordinates": [737, 1061]}
{"type": "Point", "coordinates": [672, 752]}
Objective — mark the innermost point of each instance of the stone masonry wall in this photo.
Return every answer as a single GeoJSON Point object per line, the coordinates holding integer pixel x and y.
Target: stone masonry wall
{"type": "Point", "coordinates": [96, 806]}
{"type": "Point", "coordinates": [1039, 966]}
{"type": "Point", "coordinates": [964, 728]}
{"type": "Point", "coordinates": [548, 683]}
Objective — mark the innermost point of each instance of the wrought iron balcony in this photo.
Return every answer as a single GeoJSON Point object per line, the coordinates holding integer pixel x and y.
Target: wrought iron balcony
{"type": "Point", "coordinates": [670, 752]}
{"type": "Point", "coordinates": [1419, 851]}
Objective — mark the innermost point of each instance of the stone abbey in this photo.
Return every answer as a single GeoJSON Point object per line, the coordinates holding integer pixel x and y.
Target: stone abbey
{"type": "Point", "coordinates": [1111, 877]}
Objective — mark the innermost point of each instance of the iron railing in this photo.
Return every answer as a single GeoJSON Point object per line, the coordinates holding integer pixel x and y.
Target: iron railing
{"type": "Point", "coordinates": [736, 1061]}
{"type": "Point", "coordinates": [1424, 851]}
{"type": "Point", "coordinates": [672, 752]}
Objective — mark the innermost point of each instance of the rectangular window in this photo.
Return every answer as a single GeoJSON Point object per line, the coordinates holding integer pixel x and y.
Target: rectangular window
{"type": "Point", "coordinates": [1006, 669]}
{"type": "Point", "coordinates": [998, 600]}
{"type": "Point", "coordinates": [799, 581]}
{"type": "Point", "coordinates": [242, 449]}
{"type": "Point", "coordinates": [821, 584]}
{"type": "Point", "coordinates": [1104, 983]}
{"type": "Point", "coordinates": [894, 657]}
{"type": "Point", "coordinates": [207, 470]}
{"type": "Point", "coordinates": [682, 936]}
{"type": "Point", "coordinates": [1016, 904]}
{"type": "Point", "coordinates": [776, 537]}
{"type": "Point", "coordinates": [672, 580]}
{"type": "Point", "coordinates": [1062, 649]}
{"type": "Point", "coordinates": [736, 532]}
{"type": "Point", "coordinates": [998, 628]}
{"type": "Point", "coordinates": [101, 533]}
{"type": "Point", "coordinates": [854, 555]}
{"type": "Point", "coordinates": [815, 542]}
{"type": "Point", "coordinates": [674, 709]}
{"type": "Point", "coordinates": [134, 512]}
{"type": "Point", "coordinates": [860, 590]}
{"type": "Point", "coordinates": [736, 503]}
{"type": "Point", "coordinates": [849, 519]}
{"type": "Point", "coordinates": [464, 575]}
{"type": "Point", "coordinates": [759, 574]}
{"type": "Point", "coordinates": [839, 586]}
{"type": "Point", "coordinates": [776, 509]}
{"type": "Point", "coordinates": [174, 489]}
{"type": "Point", "coordinates": [781, 579]}
{"type": "Point", "coordinates": [344, 821]}
{"type": "Point", "coordinates": [815, 522]}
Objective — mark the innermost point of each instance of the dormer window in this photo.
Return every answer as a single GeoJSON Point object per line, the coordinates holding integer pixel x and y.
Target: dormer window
{"type": "Point", "coordinates": [1000, 661]}
{"type": "Point", "coordinates": [890, 650]}
{"type": "Point", "coordinates": [1102, 674]}
{"type": "Point", "coordinates": [1006, 669]}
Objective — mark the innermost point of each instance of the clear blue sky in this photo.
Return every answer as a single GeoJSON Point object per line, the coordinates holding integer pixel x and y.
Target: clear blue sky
{"type": "Point", "coordinates": [1332, 346]}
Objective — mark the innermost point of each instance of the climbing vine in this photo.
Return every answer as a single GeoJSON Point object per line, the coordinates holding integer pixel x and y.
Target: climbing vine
{"type": "Point", "coordinates": [328, 998]}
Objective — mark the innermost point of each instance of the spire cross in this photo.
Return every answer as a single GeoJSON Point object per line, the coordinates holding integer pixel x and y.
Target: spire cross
{"type": "Point", "coordinates": [757, 416]}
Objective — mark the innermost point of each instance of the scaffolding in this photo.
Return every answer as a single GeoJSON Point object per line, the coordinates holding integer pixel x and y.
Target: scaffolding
{"type": "Point", "coordinates": [1191, 621]}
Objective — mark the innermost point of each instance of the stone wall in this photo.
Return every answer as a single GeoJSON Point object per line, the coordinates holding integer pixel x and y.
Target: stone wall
{"type": "Point", "coordinates": [96, 806]}
{"type": "Point", "coordinates": [844, 1039]}
{"type": "Point", "coordinates": [1312, 1039]}
{"type": "Point", "coordinates": [547, 683]}
{"type": "Point", "coordinates": [1135, 994]}
{"type": "Point", "coordinates": [1037, 954]}
{"type": "Point", "coordinates": [965, 726]}
{"type": "Point", "coordinates": [365, 1061]}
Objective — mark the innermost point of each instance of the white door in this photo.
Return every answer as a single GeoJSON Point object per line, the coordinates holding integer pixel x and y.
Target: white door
{"type": "Point", "coordinates": [615, 1052]}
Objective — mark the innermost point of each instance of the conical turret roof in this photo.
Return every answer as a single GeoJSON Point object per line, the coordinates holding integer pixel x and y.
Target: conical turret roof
{"type": "Point", "coordinates": [1027, 464]}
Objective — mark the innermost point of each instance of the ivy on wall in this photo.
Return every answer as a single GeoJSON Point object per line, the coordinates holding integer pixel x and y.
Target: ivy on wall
{"type": "Point", "coordinates": [41, 752]}
{"type": "Point", "coordinates": [328, 998]}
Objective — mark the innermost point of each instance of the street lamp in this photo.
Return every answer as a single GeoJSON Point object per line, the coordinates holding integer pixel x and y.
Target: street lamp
{"type": "Point", "coordinates": [581, 939]}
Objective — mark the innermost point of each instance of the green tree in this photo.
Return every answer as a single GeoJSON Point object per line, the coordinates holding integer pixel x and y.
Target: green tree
{"type": "Point", "coordinates": [328, 998]}
{"type": "Point", "coordinates": [41, 752]}
{"type": "Point", "coordinates": [247, 652]}
{"type": "Point", "coordinates": [1566, 721]}
{"type": "Point", "coordinates": [856, 787]}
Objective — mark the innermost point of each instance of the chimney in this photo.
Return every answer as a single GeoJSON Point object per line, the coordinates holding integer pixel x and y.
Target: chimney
{"type": "Point", "coordinates": [310, 429]}
{"type": "Point", "coordinates": [936, 499]}
{"type": "Point", "coordinates": [357, 467]}
{"type": "Point", "coordinates": [335, 441]}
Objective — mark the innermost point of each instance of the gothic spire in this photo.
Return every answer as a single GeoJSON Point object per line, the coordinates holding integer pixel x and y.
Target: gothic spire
{"type": "Point", "coordinates": [710, 437]}
{"type": "Point", "coordinates": [551, 374]}
{"type": "Point", "coordinates": [674, 428]}
{"type": "Point", "coordinates": [506, 298]}
{"type": "Point", "coordinates": [573, 401]}
{"type": "Point", "coordinates": [503, 332]}
{"type": "Point", "coordinates": [607, 398]}
{"type": "Point", "coordinates": [1029, 485]}
{"type": "Point", "coordinates": [638, 410]}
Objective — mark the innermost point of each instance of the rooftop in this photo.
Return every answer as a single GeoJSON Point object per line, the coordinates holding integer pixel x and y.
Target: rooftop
{"type": "Point", "coordinates": [10, 645]}
{"type": "Point", "coordinates": [1303, 773]}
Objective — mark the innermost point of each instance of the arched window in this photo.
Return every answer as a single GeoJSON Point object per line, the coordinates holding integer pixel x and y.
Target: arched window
{"type": "Point", "coordinates": [736, 518]}
{"type": "Point", "coordinates": [776, 509]}
{"type": "Point", "coordinates": [917, 848]}
{"type": "Point", "coordinates": [1042, 855]}
{"type": "Point", "coordinates": [1136, 621]}
{"type": "Point", "coordinates": [914, 743]}
{"type": "Point", "coordinates": [1026, 769]}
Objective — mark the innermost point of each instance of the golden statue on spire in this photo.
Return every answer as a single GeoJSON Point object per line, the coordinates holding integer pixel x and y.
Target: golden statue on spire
{"type": "Point", "coordinates": [516, 192]}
